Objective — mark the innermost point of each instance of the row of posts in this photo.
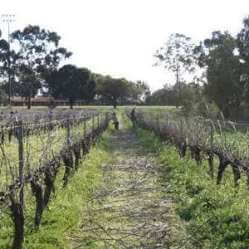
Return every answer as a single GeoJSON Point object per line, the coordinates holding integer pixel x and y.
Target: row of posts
{"type": "Point", "coordinates": [19, 133]}
{"type": "Point", "coordinates": [95, 120]}
{"type": "Point", "coordinates": [19, 129]}
{"type": "Point", "coordinates": [17, 209]}
{"type": "Point", "coordinates": [94, 116]}
{"type": "Point", "coordinates": [181, 128]}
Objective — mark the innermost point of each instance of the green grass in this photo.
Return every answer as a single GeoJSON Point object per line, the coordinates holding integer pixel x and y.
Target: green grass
{"type": "Point", "coordinates": [214, 217]}
{"type": "Point", "coordinates": [64, 211]}
{"type": "Point", "coordinates": [38, 150]}
{"type": "Point", "coordinates": [76, 107]}
{"type": "Point", "coordinates": [205, 133]}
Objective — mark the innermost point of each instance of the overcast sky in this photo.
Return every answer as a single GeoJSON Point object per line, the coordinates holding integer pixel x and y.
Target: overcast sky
{"type": "Point", "coordinates": [119, 37]}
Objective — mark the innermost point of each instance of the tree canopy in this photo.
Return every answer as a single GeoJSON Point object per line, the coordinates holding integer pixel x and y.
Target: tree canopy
{"type": "Point", "coordinates": [113, 90]}
{"type": "Point", "coordinates": [223, 73]}
{"type": "Point", "coordinates": [224, 60]}
{"type": "Point", "coordinates": [72, 83]}
{"type": "Point", "coordinates": [37, 51]}
{"type": "Point", "coordinates": [177, 56]}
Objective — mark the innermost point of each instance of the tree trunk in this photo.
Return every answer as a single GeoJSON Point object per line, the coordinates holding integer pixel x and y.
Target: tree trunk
{"type": "Point", "coordinates": [236, 174]}
{"type": "Point", "coordinates": [49, 184]}
{"type": "Point", "coordinates": [211, 164]}
{"type": "Point", "coordinates": [178, 102]}
{"type": "Point", "coordinates": [18, 218]}
{"type": "Point", "coordinates": [29, 102]}
{"type": "Point", "coordinates": [114, 103]}
{"type": "Point", "coordinates": [38, 192]}
{"type": "Point", "coordinates": [71, 103]}
{"type": "Point", "coordinates": [226, 111]}
{"type": "Point", "coordinates": [182, 147]}
{"type": "Point", "coordinates": [222, 166]}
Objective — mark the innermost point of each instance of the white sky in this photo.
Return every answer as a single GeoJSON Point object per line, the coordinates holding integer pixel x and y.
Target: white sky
{"type": "Point", "coordinates": [119, 37]}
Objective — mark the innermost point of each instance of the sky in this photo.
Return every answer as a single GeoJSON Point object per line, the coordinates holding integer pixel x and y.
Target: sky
{"type": "Point", "coordinates": [120, 37]}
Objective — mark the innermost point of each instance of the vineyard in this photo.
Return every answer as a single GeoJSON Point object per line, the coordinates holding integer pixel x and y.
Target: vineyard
{"type": "Point", "coordinates": [34, 148]}
{"type": "Point", "coordinates": [219, 141]}
{"type": "Point", "coordinates": [204, 168]}
{"type": "Point", "coordinates": [200, 164]}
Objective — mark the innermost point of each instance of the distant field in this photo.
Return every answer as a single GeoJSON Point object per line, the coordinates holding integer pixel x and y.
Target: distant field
{"type": "Point", "coordinates": [105, 107]}
{"type": "Point", "coordinates": [150, 107]}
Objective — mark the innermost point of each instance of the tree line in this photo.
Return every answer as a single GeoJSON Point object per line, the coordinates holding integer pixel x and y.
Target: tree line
{"type": "Point", "coordinates": [211, 76]}
{"type": "Point", "coordinates": [31, 61]}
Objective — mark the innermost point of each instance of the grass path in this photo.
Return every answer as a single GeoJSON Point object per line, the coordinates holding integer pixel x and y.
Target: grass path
{"type": "Point", "coordinates": [130, 209]}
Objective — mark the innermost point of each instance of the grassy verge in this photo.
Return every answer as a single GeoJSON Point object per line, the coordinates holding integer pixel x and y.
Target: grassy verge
{"type": "Point", "coordinates": [212, 216]}
{"type": "Point", "coordinates": [62, 216]}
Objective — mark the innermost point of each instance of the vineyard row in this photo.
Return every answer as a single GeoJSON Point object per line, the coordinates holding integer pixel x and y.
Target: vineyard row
{"type": "Point", "coordinates": [205, 139]}
{"type": "Point", "coordinates": [78, 136]}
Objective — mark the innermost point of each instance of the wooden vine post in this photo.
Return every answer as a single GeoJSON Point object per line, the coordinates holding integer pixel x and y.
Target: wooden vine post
{"type": "Point", "coordinates": [106, 117]}
{"type": "Point", "coordinates": [93, 124]}
{"type": "Point", "coordinates": [182, 146]}
{"type": "Point", "coordinates": [17, 206]}
{"type": "Point", "coordinates": [68, 133]}
{"type": "Point", "coordinates": [211, 136]}
{"type": "Point", "coordinates": [98, 120]}
{"type": "Point", "coordinates": [19, 133]}
{"type": "Point", "coordinates": [167, 120]}
{"type": "Point", "coordinates": [84, 129]}
{"type": "Point", "coordinates": [93, 120]}
{"type": "Point", "coordinates": [210, 153]}
{"type": "Point", "coordinates": [181, 128]}
{"type": "Point", "coordinates": [67, 156]}
{"type": "Point", "coordinates": [158, 125]}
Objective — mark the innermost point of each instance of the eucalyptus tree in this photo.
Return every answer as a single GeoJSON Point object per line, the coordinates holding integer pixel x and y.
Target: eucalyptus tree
{"type": "Point", "coordinates": [87, 90]}
{"type": "Point", "coordinates": [139, 91]}
{"type": "Point", "coordinates": [38, 54]}
{"type": "Point", "coordinates": [113, 90]}
{"type": "Point", "coordinates": [219, 55]}
{"type": "Point", "coordinates": [177, 56]}
{"type": "Point", "coordinates": [243, 49]}
{"type": "Point", "coordinates": [72, 83]}
{"type": "Point", "coordinates": [8, 59]}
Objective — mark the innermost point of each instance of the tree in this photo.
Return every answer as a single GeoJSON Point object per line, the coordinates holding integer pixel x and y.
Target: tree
{"type": "Point", "coordinates": [38, 53]}
{"type": "Point", "coordinates": [3, 97]}
{"type": "Point", "coordinates": [113, 90]}
{"type": "Point", "coordinates": [243, 49]}
{"type": "Point", "coordinates": [88, 90]}
{"type": "Point", "coordinates": [177, 56]}
{"type": "Point", "coordinates": [27, 85]}
{"type": "Point", "coordinates": [139, 91]}
{"type": "Point", "coordinates": [164, 96]}
{"type": "Point", "coordinates": [224, 85]}
{"type": "Point", "coordinates": [8, 59]}
{"type": "Point", "coordinates": [72, 83]}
